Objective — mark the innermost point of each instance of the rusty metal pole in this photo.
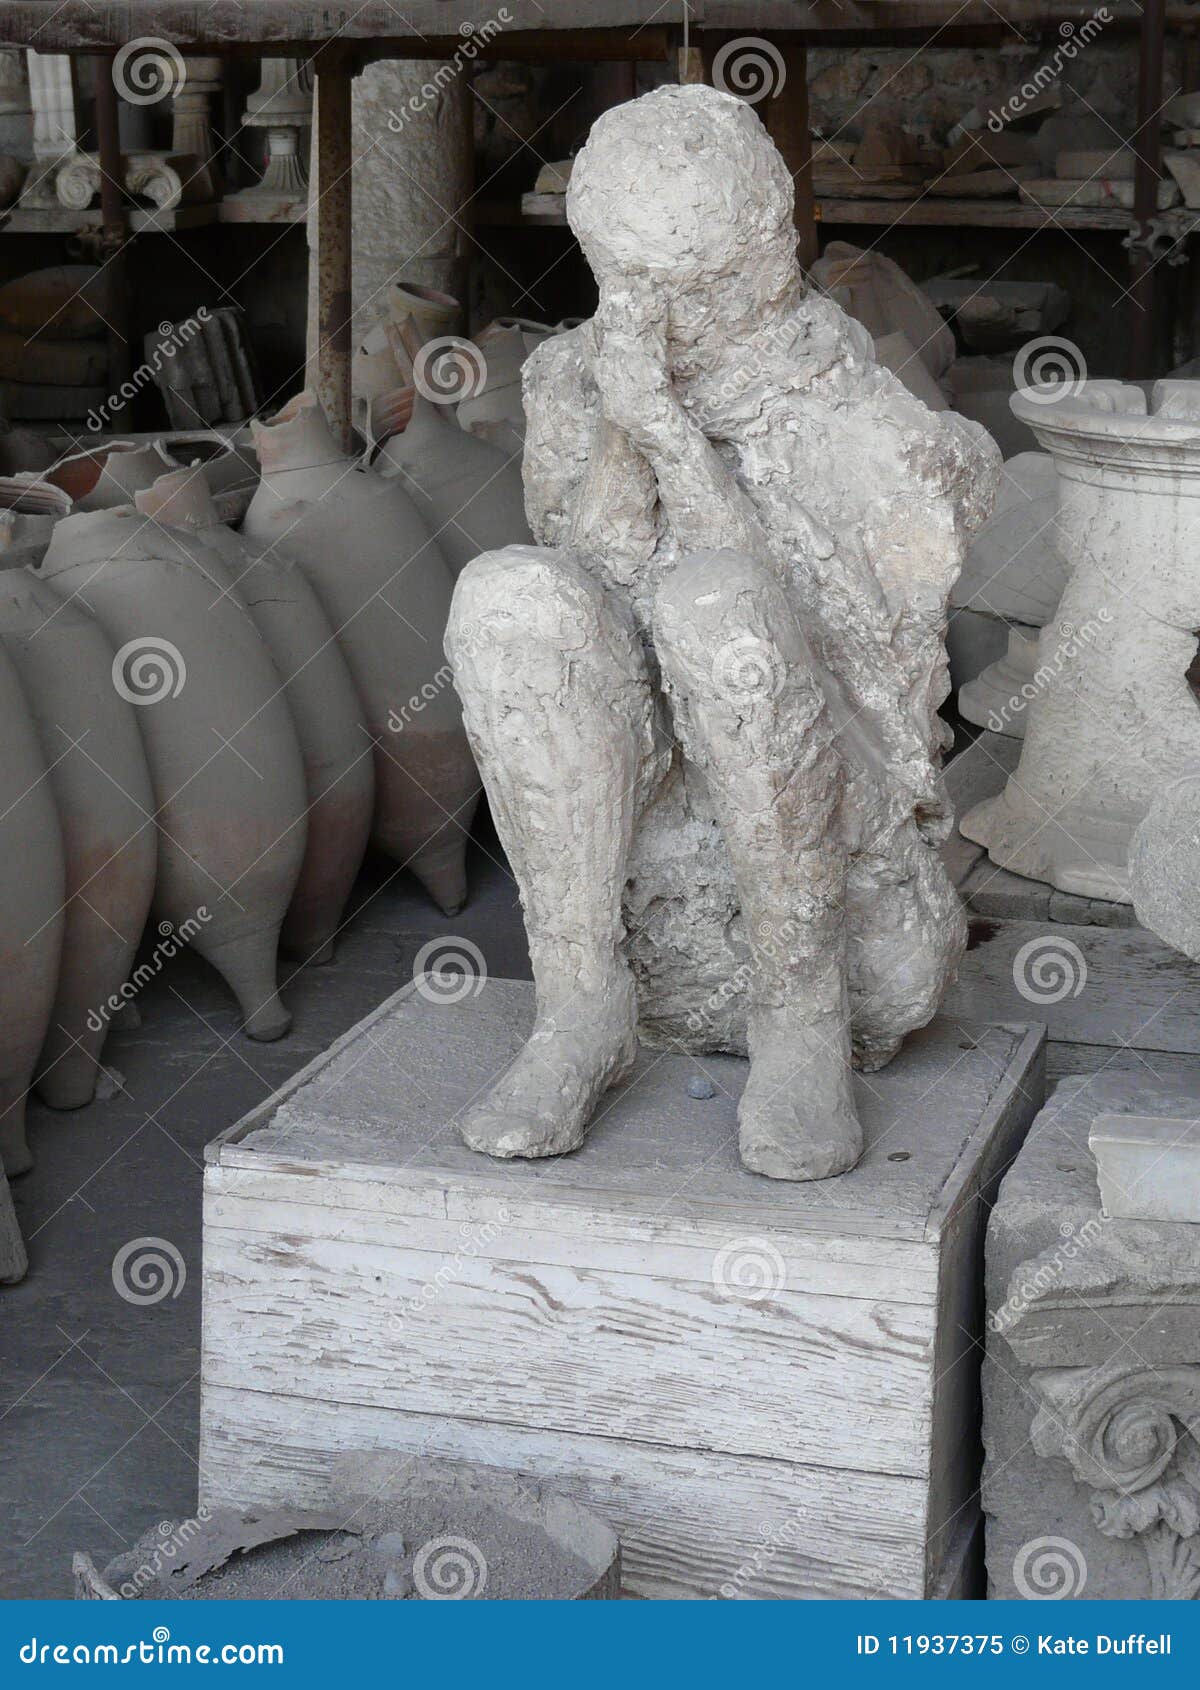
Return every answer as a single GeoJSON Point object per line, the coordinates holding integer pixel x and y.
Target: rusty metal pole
{"type": "Point", "coordinates": [114, 228]}
{"type": "Point", "coordinates": [1147, 146]}
{"type": "Point", "coordinates": [333, 247]}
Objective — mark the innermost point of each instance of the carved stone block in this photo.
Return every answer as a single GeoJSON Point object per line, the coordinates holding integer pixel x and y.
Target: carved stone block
{"type": "Point", "coordinates": [165, 179]}
{"type": "Point", "coordinates": [1092, 1379]}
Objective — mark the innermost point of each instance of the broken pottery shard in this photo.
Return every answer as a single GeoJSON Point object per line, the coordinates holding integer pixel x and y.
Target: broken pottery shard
{"type": "Point", "coordinates": [704, 705]}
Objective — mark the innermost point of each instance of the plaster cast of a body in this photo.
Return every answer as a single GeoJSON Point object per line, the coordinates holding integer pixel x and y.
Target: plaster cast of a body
{"type": "Point", "coordinates": [704, 706]}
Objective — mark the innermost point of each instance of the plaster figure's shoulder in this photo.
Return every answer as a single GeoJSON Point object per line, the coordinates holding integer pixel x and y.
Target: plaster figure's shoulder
{"type": "Point", "coordinates": [561, 410]}
{"type": "Point", "coordinates": [937, 454]}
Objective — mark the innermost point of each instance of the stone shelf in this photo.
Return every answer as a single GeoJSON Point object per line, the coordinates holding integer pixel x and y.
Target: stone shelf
{"type": "Point", "coordinates": [145, 220]}
{"type": "Point", "coordinates": [549, 211]}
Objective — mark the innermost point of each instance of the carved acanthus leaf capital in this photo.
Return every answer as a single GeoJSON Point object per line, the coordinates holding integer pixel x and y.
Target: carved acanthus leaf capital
{"type": "Point", "coordinates": [1129, 1435]}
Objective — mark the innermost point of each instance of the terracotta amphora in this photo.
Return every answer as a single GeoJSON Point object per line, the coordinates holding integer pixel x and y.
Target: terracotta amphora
{"type": "Point", "coordinates": [468, 490]}
{"type": "Point", "coordinates": [101, 789]}
{"type": "Point", "coordinates": [103, 477]}
{"type": "Point", "coordinates": [496, 410]}
{"type": "Point", "coordinates": [224, 762]}
{"type": "Point", "coordinates": [31, 911]}
{"type": "Point", "coordinates": [386, 589]}
{"type": "Point", "coordinates": [14, 1261]}
{"type": "Point", "coordinates": [334, 743]}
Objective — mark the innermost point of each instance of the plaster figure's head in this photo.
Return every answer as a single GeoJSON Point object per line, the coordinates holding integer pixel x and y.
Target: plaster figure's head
{"type": "Point", "coordinates": [683, 186]}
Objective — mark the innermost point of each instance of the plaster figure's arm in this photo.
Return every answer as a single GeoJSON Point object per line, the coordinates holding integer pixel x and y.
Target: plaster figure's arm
{"type": "Point", "coordinates": [585, 485]}
{"type": "Point", "coordinates": [704, 504]}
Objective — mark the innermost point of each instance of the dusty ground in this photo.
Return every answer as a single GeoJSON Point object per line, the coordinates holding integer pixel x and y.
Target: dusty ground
{"type": "Point", "coordinates": [99, 1397]}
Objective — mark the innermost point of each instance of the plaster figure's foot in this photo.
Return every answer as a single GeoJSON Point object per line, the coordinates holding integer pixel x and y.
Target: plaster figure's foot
{"type": "Point", "coordinates": [543, 1104]}
{"type": "Point", "coordinates": [797, 1117]}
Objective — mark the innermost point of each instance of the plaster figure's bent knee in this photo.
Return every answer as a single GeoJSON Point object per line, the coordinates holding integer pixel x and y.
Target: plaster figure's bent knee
{"type": "Point", "coordinates": [531, 630]}
{"type": "Point", "coordinates": [726, 632]}
{"type": "Point", "coordinates": [751, 713]}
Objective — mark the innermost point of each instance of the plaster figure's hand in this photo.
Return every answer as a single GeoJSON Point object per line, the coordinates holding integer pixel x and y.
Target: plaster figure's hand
{"type": "Point", "coordinates": [629, 366]}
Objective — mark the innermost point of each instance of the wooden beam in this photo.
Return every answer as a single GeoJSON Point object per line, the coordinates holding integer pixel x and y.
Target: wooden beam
{"type": "Point", "coordinates": [114, 229]}
{"type": "Point", "coordinates": [1147, 171]}
{"type": "Point", "coordinates": [334, 247]}
{"type": "Point", "coordinates": [786, 115]}
{"type": "Point", "coordinates": [436, 29]}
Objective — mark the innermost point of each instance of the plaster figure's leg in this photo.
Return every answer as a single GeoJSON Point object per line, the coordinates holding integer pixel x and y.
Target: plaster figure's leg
{"type": "Point", "coordinates": [558, 706]}
{"type": "Point", "coordinates": [906, 933]}
{"type": "Point", "coordinates": [751, 714]}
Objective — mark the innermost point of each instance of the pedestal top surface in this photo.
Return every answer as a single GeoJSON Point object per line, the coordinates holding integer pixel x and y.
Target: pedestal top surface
{"type": "Point", "coordinates": [383, 1102]}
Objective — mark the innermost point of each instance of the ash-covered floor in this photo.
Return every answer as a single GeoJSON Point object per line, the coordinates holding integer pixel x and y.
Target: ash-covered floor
{"type": "Point", "coordinates": [99, 1397]}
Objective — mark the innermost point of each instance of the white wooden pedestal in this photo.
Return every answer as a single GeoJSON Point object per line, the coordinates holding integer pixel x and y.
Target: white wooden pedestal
{"type": "Point", "coordinates": [768, 1389]}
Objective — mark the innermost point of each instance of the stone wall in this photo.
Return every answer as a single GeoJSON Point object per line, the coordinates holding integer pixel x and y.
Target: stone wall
{"type": "Point", "coordinates": [929, 90]}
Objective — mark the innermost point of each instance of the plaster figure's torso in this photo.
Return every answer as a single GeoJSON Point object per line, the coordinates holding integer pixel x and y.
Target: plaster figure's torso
{"type": "Point", "coordinates": [863, 494]}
